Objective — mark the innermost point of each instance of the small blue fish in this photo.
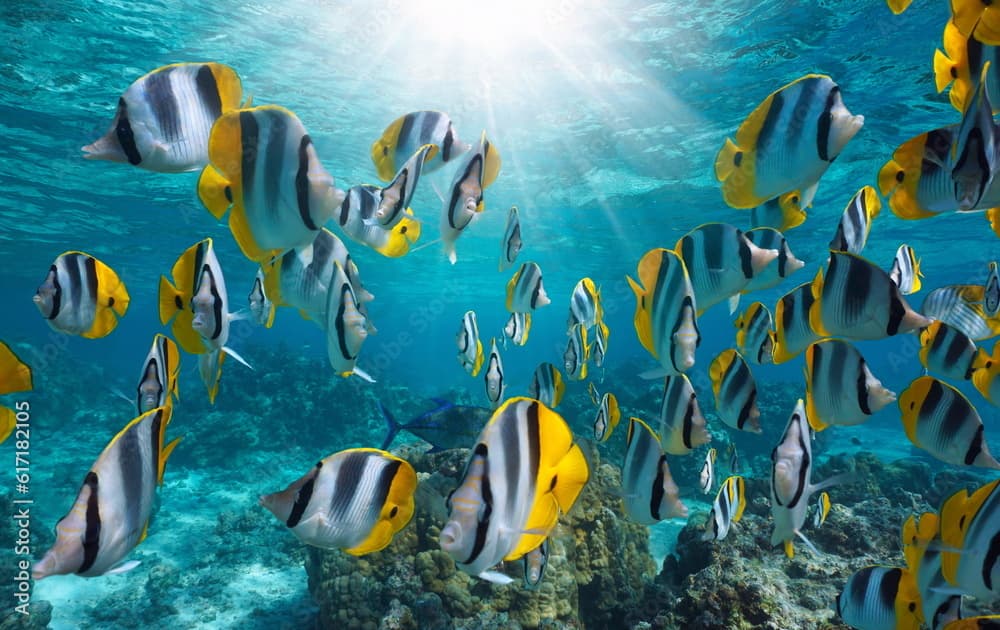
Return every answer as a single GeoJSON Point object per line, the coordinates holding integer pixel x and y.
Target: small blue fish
{"type": "Point", "coordinates": [444, 427]}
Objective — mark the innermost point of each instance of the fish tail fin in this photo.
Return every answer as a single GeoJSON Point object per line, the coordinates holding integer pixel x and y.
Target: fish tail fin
{"type": "Point", "coordinates": [944, 70]}
{"type": "Point", "coordinates": [214, 191]}
{"type": "Point", "coordinates": [170, 300]}
{"type": "Point", "coordinates": [975, 18]}
{"type": "Point", "coordinates": [982, 360]}
{"type": "Point", "coordinates": [993, 216]}
{"type": "Point", "coordinates": [898, 178]}
{"type": "Point", "coordinates": [812, 414]}
{"type": "Point", "coordinates": [393, 426]}
{"type": "Point", "coordinates": [403, 235]}
{"type": "Point", "coordinates": [479, 359]}
{"type": "Point", "coordinates": [167, 450]}
{"type": "Point", "coordinates": [104, 322]}
{"type": "Point", "coordinates": [816, 308]}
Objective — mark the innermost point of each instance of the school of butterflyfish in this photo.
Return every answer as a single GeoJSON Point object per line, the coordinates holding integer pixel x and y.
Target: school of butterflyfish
{"type": "Point", "coordinates": [526, 468]}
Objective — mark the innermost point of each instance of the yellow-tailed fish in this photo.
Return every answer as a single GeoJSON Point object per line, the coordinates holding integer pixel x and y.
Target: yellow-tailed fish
{"type": "Point", "coordinates": [986, 376]}
{"type": "Point", "coordinates": [164, 118]}
{"type": "Point", "coordinates": [969, 536]}
{"type": "Point", "coordinates": [115, 504]}
{"type": "Point", "coordinates": [706, 479]}
{"type": "Point", "coordinates": [600, 345]}
{"type": "Point", "coordinates": [517, 328]}
{"type": "Point", "coordinates": [493, 376]}
{"type": "Point", "coordinates": [650, 493]}
{"type": "Point", "coordinates": [856, 221]}
{"type": "Point", "coordinates": [585, 305]}
{"type": "Point", "coordinates": [940, 604]}
{"type": "Point", "coordinates": [547, 385]}
{"type": "Point", "coordinates": [197, 302]}
{"type": "Point", "coordinates": [81, 296]}
{"type": "Point", "coordinates": [608, 415]}
{"type": "Point", "coordinates": [346, 325]}
{"type": "Point", "coordinates": [263, 166]}
{"type": "Point", "coordinates": [410, 132]}
{"type": "Point", "coordinates": [15, 376]}
{"type": "Point", "coordinates": [302, 277]}
{"type": "Point", "coordinates": [898, 6]}
{"type": "Point", "coordinates": [974, 152]}
{"type": "Point", "coordinates": [961, 65]}
{"type": "Point", "coordinates": [840, 389]}
{"type": "Point", "coordinates": [856, 299]}
{"type": "Point", "coordinates": [524, 471]}
{"type": "Point", "coordinates": [394, 199]}
{"type": "Point", "coordinates": [665, 318]}
{"type": "Point", "coordinates": [905, 272]}
{"type": "Point", "coordinates": [511, 244]}
{"type": "Point", "coordinates": [822, 510]}
{"type": "Point", "coordinates": [464, 200]}
{"type": "Point", "coordinates": [535, 563]}
{"type": "Point", "coordinates": [962, 306]}
{"type": "Point", "coordinates": [577, 353]}
{"type": "Point", "coordinates": [782, 213]}
{"type": "Point", "coordinates": [721, 261]}
{"type": "Point", "coordinates": [991, 291]}
{"type": "Point", "coordinates": [792, 332]}
{"type": "Point", "coordinates": [881, 597]}
{"type": "Point", "coordinates": [261, 307]}
{"type": "Point", "coordinates": [158, 378]}
{"type": "Point", "coordinates": [355, 500]}
{"type": "Point", "coordinates": [525, 291]}
{"type": "Point", "coordinates": [735, 391]}
{"type": "Point", "coordinates": [470, 348]}
{"type": "Point", "coordinates": [778, 269]}
{"type": "Point", "coordinates": [786, 143]}
{"type": "Point", "coordinates": [682, 426]}
{"type": "Point", "coordinates": [791, 481]}
{"type": "Point", "coordinates": [755, 334]}
{"type": "Point", "coordinates": [941, 421]}
{"type": "Point", "coordinates": [356, 217]}
{"type": "Point", "coordinates": [210, 371]}
{"type": "Point", "coordinates": [977, 19]}
{"type": "Point", "coordinates": [946, 351]}
{"type": "Point", "coordinates": [727, 508]}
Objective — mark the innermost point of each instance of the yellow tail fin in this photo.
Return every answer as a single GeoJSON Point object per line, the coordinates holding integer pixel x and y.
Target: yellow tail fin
{"type": "Point", "coordinates": [214, 191]}
{"type": "Point", "coordinates": [170, 300]}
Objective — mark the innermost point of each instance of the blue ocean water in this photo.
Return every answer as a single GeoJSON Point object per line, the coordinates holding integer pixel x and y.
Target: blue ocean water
{"type": "Point", "coordinates": [607, 115]}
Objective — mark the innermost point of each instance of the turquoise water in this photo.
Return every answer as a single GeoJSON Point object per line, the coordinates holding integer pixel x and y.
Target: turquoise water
{"type": "Point", "coordinates": [608, 116]}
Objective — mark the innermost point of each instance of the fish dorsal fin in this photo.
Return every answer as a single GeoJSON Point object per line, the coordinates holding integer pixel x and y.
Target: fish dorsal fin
{"type": "Point", "coordinates": [15, 375]}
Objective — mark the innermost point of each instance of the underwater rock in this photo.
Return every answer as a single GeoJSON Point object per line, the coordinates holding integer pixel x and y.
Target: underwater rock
{"type": "Point", "coordinates": [597, 565]}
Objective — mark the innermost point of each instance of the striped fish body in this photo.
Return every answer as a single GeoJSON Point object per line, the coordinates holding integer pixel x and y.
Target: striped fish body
{"type": "Point", "coordinates": [961, 65]}
{"type": "Point", "coordinates": [608, 415]}
{"type": "Point", "coordinates": [880, 598]}
{"type": "Point", "coordinates": [113, 508]}
{"type": "Point", "coordinates": [786, 143]}
{"type": "Point", "coordinates": [782, 213]}
{"type": "Point", "coordinates": [650, 492]}
{"type": "Point", "coordinates": [940, 420]}
{"type": "Point", "coordinates": [547, 385]}
{"type": "Point", "coordinates": [81, 296]}
{"type": "Point", "coordinates": [946, 351]}
{"type": "Point", "coordinates": [727, 508]}
{"type": "Point", "coordinates": [924, 562]}
{"type": "Point", "coordinates": [263, 166]}
{"type": "Point", "coordinates": [158, 378]}
{"type": "Point", "coordinates": [511, 244]}
{"type": "Point", "coordinates": [476, 171]}
{"type": "Point", "coordinates": [778, 269]}
{"type": "Point", "coordinates": [525, 291]}
{"type": "Point", "coordinates": [991, 292]}
{"type": "Point", "coordinates": [577, 353]}
{"type": "Point", "coordinates": [410, 132]}
{"type": "Point", "coordinates": [355, 500]}
{"type": "Point", "coordinates": [665, 310]}
{"type": "Point", "coordinates": [905, 272]}
{"type": "Point", "coordinates": [822, 510]}
{"type": "Point", "coordinates": [857, 300]}
{"type": "Point", "coordinates": [356, 217]}
{"type": "Point", "coordinates": [961, 305]}
{"type": "Point", "coordinates": [840, 389]}
{"type": "Point", "coordinates": [394, 199]}
{"type": "Point", "coordinates": [524, 471]}
{"type": "Point", "coordinates": [917, 180]}
{"type": "Point", "coordinates": [493, 377]}
{"type": "Point", "coordinates": [735, 391]}
{"type": "Point", "coordinates": [755, 334]}
{"type": "Point", "coordinates": [15, 374]}
{"type": "Point", "coordinates": [975, 151]}
{"type": "Point", "coordinates": [970, 523]}
{"type": "Point", "coordinates": [600, 343]}
{"type": "Point", "coordinates": [720, 261]}
{"type": "Point", "coordinates": [856, 221]}
{"type": "Point", "coordinates": [585, 305]}
{"type": "Point", "coordinates": [347, 327]}
{"type": "Point", "coordinates": [302, 277]}
{"type": "Point", "coordinates": [165, 117]}
{"type": "Point", "coordinates": [261, 307]}
{"type": "Point", "coordinates": [196, 301]}
{"type": "Point", "coordinates": [792, 331]}
{"type": "Point", "coordinates": [470, 348]}
{"type": "Point", "coordinates": [682, 426]}
{"type": "Point", "coordinates": [706, 479]}
{"type": "Point", "coordinates": [517, 328]}
{"type": "Point", "coordinates": [210, 371]}
{"type": "Point", "coordinates": [791, 479]}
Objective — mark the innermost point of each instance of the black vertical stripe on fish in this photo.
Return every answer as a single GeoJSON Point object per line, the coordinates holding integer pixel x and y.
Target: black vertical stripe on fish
{"type": "Point", "coordinates": [446, 146]}
{"type": "Point", "coordinates": [534, 441]}
{"type": "Point", "coordinates": [216, 303]}
{"type": "Point", "coordinates": [405, 128]}
{"type": "Point", "coordinates": [124, 134]}
{"type": "Point", "coordinates": [345, 210]}
{"type": "Point", "coordinates": [824, 125]}
{"type": "Point", "coordinates": [803, 469]}
{"type": "Point", "coordinates": [57, 293]}
{"type": "Point", "coordinates": [92, 532]}
{"type": "Point", "coordinates": [483, 524]}
{"type": "Point", "coordinates": [888, 587]}
{"type": "Point", "coordinates": [162, 101]}
{"type": "Point", "coordinates": [199, 260]}
{"type": "Point", "coordinates": [767, 129]}
{"type": "Point", "coordinates": [475, 162]}
{"type": "Point", "coordinates": [302, 498]}
{"type": "Point", "coordinates": [688, 422]}
{"type": "Point", "coordinates": [384, 483]}
{"type": "Point", "coordinates": [857, 289]}
{"type": "Point", "coordinates": [131, 472]}
{"type": "Point", "coordinates": [745, 410]}
{"type": "Point", "coordinates": [250, 143]}
{"type": "Point", "coordinates": [90, 269]}
{"type": "Point", "coordinates": [208, 91]}
{"type": "Point", "coordinates": [857, 214]}
{"type": "Point", "coordinates": [724, 503]}
{"type": "Point", "coordinates": [515, 236]}
{"type": "Point", "coordinates": [862, 391]}
{"type": "Point", "coordinates": [782, 258]}
{"type": "Point", "coordinates": [746, 258]}
{"type": "Point", "coordinates": [428, 124]}
{"type": "Point", "coordinates": [155, 445]}
{"type": "Point", "coordinates": [302, 184]}
{"type": "Point", "coordinates": [954, 350]}
{"type": "Point", "coordinates": [991, 559]}
{"type": "Point", "coordinates": [273, 168]}
{"type": "Point", "coordinates": [975, 447]}
{"type": "Point", "coordinates": [511, 445]}
{"type": "Point", "coordinates": [663, 292]}
{"type": "Point", "coordinates": [345, 294]}
{"type": "Point", "coordinates": [859, 584]}
{"type": "Point", "coordinates": [345, 486]}
{"type": "Point", "coordinates": [72, 262]}
{"type": "Point", "coordinates": [656, 497]}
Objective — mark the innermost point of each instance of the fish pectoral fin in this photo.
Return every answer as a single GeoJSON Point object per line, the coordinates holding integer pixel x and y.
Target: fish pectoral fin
{"type": "Point", "coordinates": [495, 577]}
{"type": "Point", "coordinates": [124, 567]}
{"type": "Point", "coordinates": [363, 375]}
{"type": "Point", "coordinates": [215, 192]}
